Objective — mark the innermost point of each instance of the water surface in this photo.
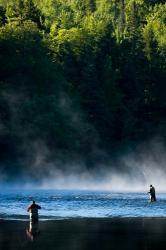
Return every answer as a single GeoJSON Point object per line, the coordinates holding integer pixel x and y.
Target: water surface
{"type": "Point", "coordinates": [58, 204]}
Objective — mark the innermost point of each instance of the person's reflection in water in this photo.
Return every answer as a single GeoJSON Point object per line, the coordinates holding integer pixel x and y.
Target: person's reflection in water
{"type": "Point", "coordinates": [33, 230]}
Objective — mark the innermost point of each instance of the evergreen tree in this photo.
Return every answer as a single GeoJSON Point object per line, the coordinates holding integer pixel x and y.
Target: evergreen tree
{"type": "Point", "coordinates": [23, 10]}
{"type": "Point", "coordinates": [2, 16]}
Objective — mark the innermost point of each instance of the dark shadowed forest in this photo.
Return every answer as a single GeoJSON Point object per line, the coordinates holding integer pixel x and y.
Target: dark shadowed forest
{"type": "Point", "coordinates": [80, 80]}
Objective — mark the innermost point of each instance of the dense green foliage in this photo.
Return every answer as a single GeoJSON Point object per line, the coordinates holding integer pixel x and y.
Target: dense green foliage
{"type": "Point", "coordinates": [80, 76]}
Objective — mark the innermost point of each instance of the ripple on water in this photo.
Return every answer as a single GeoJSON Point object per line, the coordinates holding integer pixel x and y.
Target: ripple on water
{"type": "Point", "coordinates": [79, 204]}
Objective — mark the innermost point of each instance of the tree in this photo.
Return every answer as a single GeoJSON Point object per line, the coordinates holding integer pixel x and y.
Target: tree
{"type": "Point", "coordinates": [23, 10]}
{"type": "Point", "coordinates": [154, 34]}
{"type": "Point", "coordinates": [2, 16]}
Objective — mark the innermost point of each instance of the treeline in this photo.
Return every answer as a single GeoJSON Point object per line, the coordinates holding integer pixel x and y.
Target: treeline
{"type": "Point", "coordinates": [80, 77]}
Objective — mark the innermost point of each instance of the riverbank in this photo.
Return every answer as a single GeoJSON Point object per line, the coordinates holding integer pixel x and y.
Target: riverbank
{"type": "Point", "coordinates": [85, 234]}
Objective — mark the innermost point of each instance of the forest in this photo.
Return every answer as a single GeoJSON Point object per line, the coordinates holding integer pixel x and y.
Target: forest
{"type": "Point", "coordinates": [80, 80]}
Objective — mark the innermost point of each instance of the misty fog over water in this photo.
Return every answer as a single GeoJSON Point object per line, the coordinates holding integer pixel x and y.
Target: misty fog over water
{"type": "Point", "coordinates": [134, 171]}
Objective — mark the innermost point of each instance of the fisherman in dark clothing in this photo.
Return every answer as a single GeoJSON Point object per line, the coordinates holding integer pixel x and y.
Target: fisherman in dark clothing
{"type": "Point", "coordinates": [33, 210]}
{"type": "Point", "coordinates": [152, 193]}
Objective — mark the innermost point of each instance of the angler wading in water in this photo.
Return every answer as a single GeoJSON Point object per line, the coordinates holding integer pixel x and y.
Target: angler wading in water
{"type": "Point", "coordinates": [152, 193]}
{"type": "Point", "coordinates": [33, 211]}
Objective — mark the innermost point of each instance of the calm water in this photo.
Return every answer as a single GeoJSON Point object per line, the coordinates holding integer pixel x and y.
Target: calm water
{"type": "Point", "coordinates": [73, 204]}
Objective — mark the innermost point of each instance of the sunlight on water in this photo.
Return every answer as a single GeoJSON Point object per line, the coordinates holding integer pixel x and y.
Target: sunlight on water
{"type": "Point", "coordinates": [75, 204]}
